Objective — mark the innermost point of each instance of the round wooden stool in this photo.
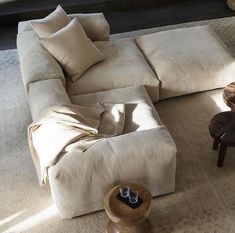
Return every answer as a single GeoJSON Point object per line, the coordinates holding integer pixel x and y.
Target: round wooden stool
{"type": "Point", "coordinates": [222, 129]}
{"type": "Point", "coordinates": [124, 219]}
{"type": "Point", "coordinates": [229, 95]}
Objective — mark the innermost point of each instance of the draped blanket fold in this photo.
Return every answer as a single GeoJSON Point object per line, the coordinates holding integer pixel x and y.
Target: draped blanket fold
{"type": "Point", "coordinates": [62, 128]}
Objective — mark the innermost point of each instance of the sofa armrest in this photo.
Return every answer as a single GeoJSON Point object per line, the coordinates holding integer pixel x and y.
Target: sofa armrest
{"type": "Point", "coordinates": [36, 63]}
{"type": "Point", "coordinates": [45, 94]}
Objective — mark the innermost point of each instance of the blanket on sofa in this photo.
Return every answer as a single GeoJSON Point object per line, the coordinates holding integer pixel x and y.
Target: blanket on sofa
{"type": "Point", "coordinates": [65, 127]}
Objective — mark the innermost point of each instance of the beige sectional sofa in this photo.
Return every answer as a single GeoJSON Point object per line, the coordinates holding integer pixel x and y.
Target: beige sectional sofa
{"type": "Point", "coordinates": [133, 74]}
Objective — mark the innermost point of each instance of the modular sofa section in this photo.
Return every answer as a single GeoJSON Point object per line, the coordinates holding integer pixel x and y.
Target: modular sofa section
{"type": "Point", "coordinates": [144, 154]}
{"type": "Point", "coordinates": [188, 60]}
{"type": "Point", "coordinates": [124, 66]}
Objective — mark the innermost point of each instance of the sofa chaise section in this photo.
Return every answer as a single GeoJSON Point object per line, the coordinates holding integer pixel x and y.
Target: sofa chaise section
{"type": "Point", "coordinates": [144, 154]}
{"type": "Point", "coordinates": [124, 66]}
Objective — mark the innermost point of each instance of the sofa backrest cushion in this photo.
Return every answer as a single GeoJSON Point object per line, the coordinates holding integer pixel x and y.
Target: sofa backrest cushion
{"type": "Point", "coordinates": [76, 53]}
{"type": "Point", "coordinates": [95, 26]}
{"type": "Point", "coordinates": [51, 23]}
{"type": "Point", "coordinates": [36, 62]}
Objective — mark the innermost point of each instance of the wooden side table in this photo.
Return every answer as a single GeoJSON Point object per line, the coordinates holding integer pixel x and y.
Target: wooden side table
{"type": "Point", "coordinates": [124, 219]}
{"type": "Point", "coordinates": [229, 95]}
{"type": "Point", "coordinates": [222, 129]}
{"type": "Point", "coordinates": [231, 4]}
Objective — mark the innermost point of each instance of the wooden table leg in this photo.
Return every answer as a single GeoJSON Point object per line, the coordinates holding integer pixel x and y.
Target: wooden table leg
{"type": "Point", "coordinates": [222, 152]}
{"type": "Point", "coordinates": [215, 144]}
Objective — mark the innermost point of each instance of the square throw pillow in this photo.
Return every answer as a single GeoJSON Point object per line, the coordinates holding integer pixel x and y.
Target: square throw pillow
{"type": "Point", "coordinates": [52, 23]}
{"type": "Point", "coordinates": [73, 49]}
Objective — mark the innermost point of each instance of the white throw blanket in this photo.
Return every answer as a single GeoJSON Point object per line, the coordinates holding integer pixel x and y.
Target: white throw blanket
{"type": "Point", "coordinates": [62, 128]}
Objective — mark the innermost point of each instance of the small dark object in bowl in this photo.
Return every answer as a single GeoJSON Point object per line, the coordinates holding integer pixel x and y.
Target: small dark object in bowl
{"type": "Point", "coordinates": [126, 201]}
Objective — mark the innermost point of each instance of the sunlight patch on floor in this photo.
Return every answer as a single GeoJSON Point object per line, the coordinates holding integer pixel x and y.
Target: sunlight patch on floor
{"type": "Point", "coordinates": [33, 220]}
{"type": "Point", "coordinates": [10, 218]}
{"type": "Point", "coordinates": [218, 99]}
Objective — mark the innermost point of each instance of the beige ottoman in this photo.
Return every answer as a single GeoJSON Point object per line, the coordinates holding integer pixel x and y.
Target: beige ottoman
{"type": "Point", "coordinates": [188, 60]}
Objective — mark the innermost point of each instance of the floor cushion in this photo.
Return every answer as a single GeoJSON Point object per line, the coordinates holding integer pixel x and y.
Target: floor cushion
{"type": "Point", "coordinates": [188, 60]}
{"type": "Point", "coordinates": [124, 66]}
{"type": "Point", "coordinates": [144, 154]}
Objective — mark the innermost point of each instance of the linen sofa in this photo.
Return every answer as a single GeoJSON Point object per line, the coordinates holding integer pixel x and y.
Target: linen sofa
{"type": "Point", "coordinates": [145, 153]}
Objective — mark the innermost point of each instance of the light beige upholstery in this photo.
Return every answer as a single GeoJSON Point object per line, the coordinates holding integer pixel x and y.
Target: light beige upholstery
{"type": "Point", "coordinates": [51, 23]}
{"type": "Point", "coordinates": [124, 66]}
{"type": "Point", "coordinates": [36, 63]}
{"type": "Point", "coordinates": [45, 94]}
{"type": "Point", "coordinates": [94, 24]}
{"type": "Point", "coordinates": [144, 154]}
{"type": "Point", "coordinates": [188, 60]}
{"type": "Point", "coordinates": [75, 53]}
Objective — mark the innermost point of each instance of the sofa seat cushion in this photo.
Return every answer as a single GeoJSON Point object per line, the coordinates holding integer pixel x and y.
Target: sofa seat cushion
{"type": "Point", "coordinates": [188, 60]}
{"type": "Point", "coordinates": [145, 154]}
{"type": "Point", "coordinates": [139, 110]}
{"type": "Point", "coordinates": [124, 66]}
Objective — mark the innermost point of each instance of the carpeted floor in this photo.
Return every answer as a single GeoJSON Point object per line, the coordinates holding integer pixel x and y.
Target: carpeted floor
{"type": "Point", "coordinates": [204, 201]}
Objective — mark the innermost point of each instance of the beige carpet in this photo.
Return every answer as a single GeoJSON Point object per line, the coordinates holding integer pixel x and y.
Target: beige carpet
{"type": "Point", "coordinates": [204, 200]}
